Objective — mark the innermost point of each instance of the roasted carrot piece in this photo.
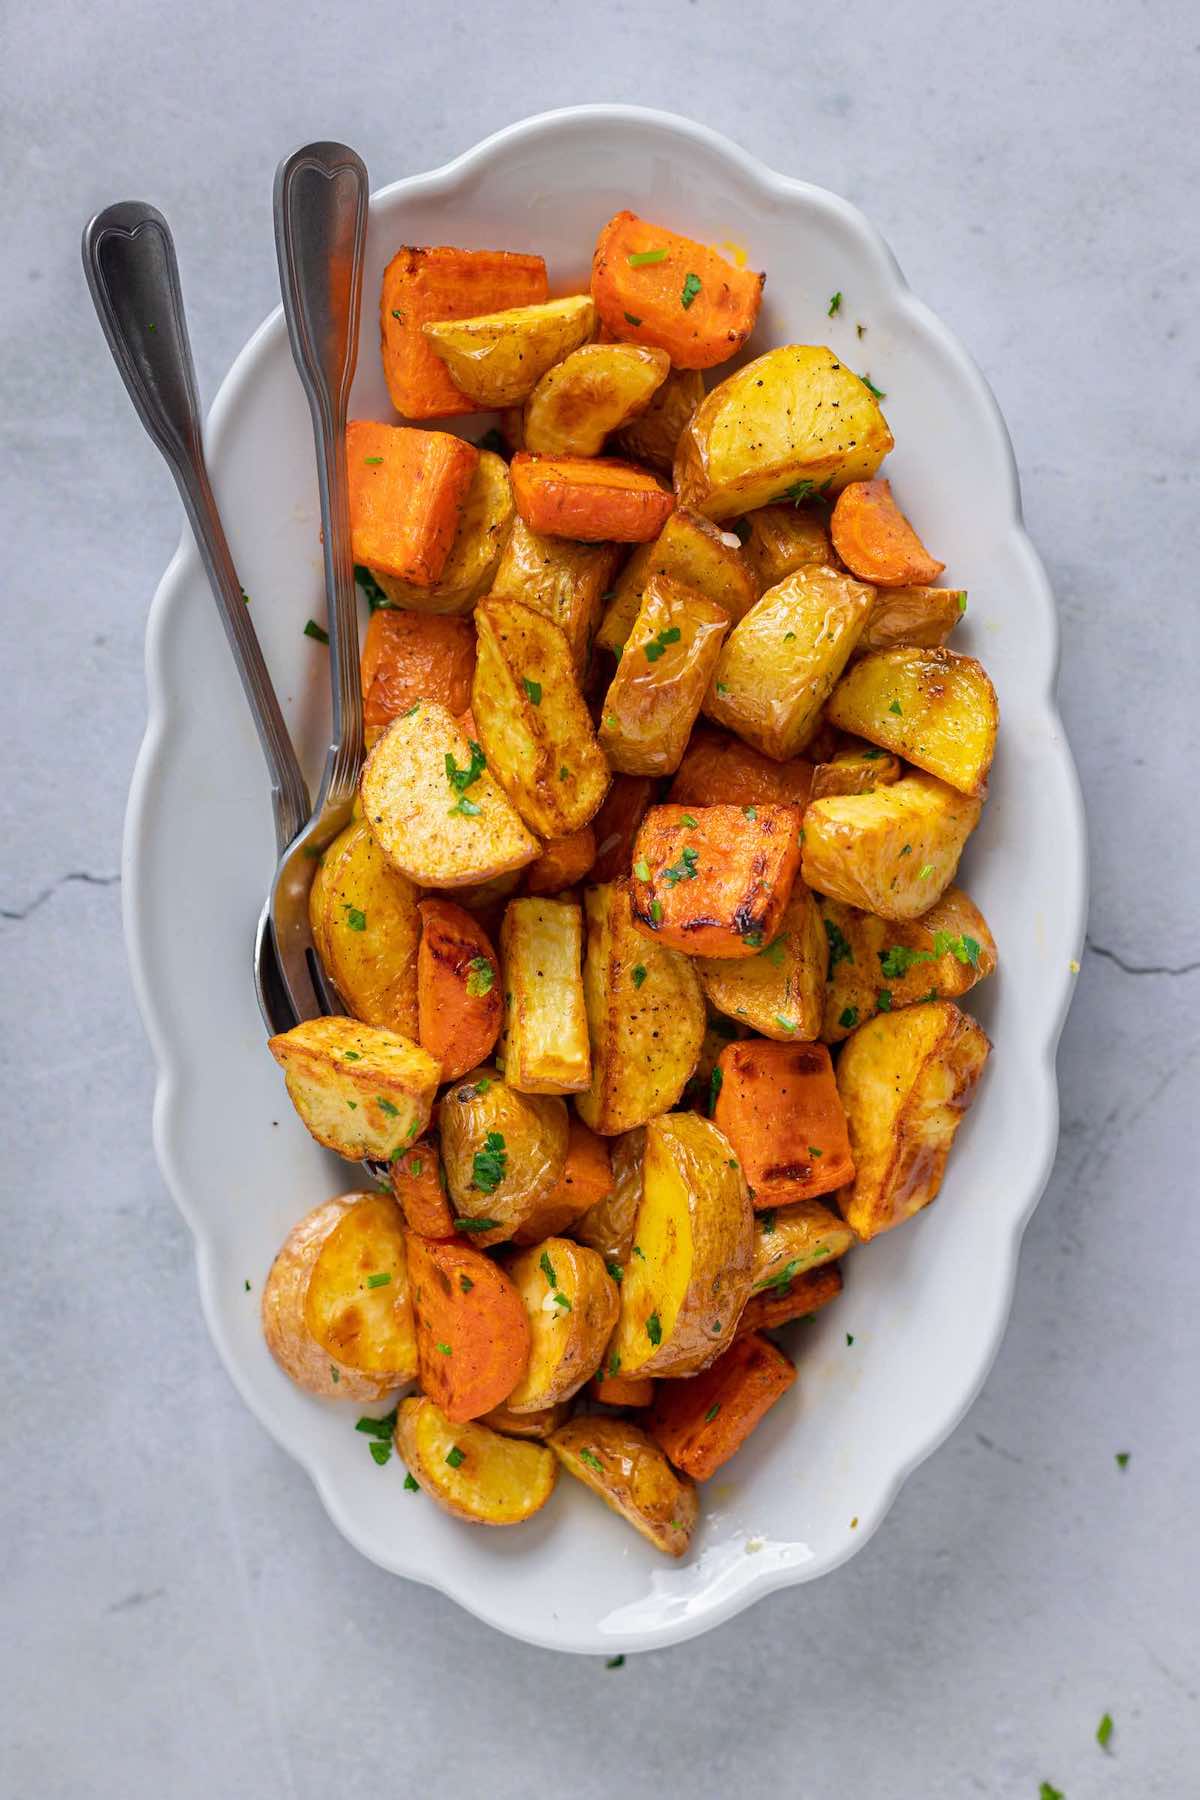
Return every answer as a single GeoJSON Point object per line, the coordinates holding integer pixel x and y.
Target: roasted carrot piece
{"type": "Point", "coordinates": [563, 861]}
{"type": "Point", "coordinates": [420, 1189]}
{"type": "Point", "coordinates": [714, 880]}
{"type": "Point", "coordinates": [586, 1180]}
{"type": "Point", "coordinates": [720, 770]}
{"type": "Point", "coordinates": [459, 1000]}
{"type": "Point", "coordinates": [652, 286]}
{"type": "Point", "coordinates": [796, 1299]}
{"type": "Point", "coordinates": [622, 1390]}
{"type": "Point", "coordinates": [593, 499]}
{"type": "Point", "coordinates": [701, 1423]}
{"type": "Point", "coordinates": [444, 283]}
{"type": "Point", "coordinates": [410, 656]}
{"type": "Point", "coordinates": [876, 541]}
{"type": "Point", "coordinates": [779, 1107]}
{"type": "Point", "coordinates": [407, 490]}
{"type": "Point", "coordinates": [472, 1327]}
{"type": "Point", "coordinates": [616, 825]}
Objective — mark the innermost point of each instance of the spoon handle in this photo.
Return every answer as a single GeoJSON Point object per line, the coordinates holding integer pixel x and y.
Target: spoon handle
{"type": "Point", "coordinates": [129, 262]}
{"type": "Point", "coordinates": [321, 199]}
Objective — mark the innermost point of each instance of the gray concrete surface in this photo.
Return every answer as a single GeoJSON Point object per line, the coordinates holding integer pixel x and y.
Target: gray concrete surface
{"type": "Point", "coordinates": [178, 1615]}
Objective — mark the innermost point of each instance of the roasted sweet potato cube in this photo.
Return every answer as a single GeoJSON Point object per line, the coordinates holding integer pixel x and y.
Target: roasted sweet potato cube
{"type": "Point", "coordinates": [665, 667]}
{"type": "Point", "coordinates": [715, 881]}
{"type": "Point", "coordinates": [616, 826]}
{"type": "Point", "coordinates": [799, 1298]}
{"type": "Point", "coordinates": [720, 770]}
{"type": "Point", "coordinates": [444, 283]}
{"type": "Point", "coordinates": [586, 1180]}
{"type": "Point", "coordinates": [653, 286]}
{"type": "Point", "coordinates": [702, 1422]}
{"type": "Point", "coordinates": [563, 862]}
{"type": "Point", "coordinates": [593, 499]}
{"type": "Point", "coordinates": [459, 1001]}
{"type": "Point", "coordinates": [409, 656]}
{"type": "Point", "coordinates": [420, 1188]}
{"type": "Point", "coordinates": [622, 1390]}
{"type": "Point", "coordinates": [778, 1105]}
{"type": "Point", "coordinates": [408, 489]}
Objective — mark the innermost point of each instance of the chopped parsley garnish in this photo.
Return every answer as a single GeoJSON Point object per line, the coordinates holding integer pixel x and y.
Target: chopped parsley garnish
{"type": "Point", "coordinates": [799, 492]}
{"type": "Point", "coordinates": [477, 1224]}
{"type": "Point", "coordinates": [444, 1349]}
{"type": "Point", "coordinates": [1122, 1459]}
{"type": "Point", "coordinates": [962, 600]}
{"type": "Point", "coordinates": [372, 462]}
{"type": "Point", "coordinates": [896, 708]}
{"type": "Point", "coordinates": [714, 1089]}
{"type": "Point", "coordinates": [461, 779]}
{"type": "Point", "coordinates": [835, 304]}
{"type": "Point", "coordinates": [561, 1300]}
{"type": "Point", "coordinates": [883, 999]}
{"type": "Point", "coordinates": [638, 973]}
{"type": "Point", "coordinates": [591, 1459]}
{"type": "Point", "coordinates": [871, 755]}
{"type": "Point", "coordinates": [721, 688]}
{"type": "Point", "coordinates": [547, 1268]}
{"type": "Point", "coordinates": [533, 689]}
{"type": "Point", "coordinates": [641, 869]}
{"type": "Point", "coordinates": [480, 977]}
{"type": "Point", "coordinates": [380, 1453]}
{"type": "Point", "coordinates": [465, 1283]}
{"type": "Point", "coordinates": [455, 1457]}
{"type": "Point", "coordinates": [641, 259]}
{"type": "Point", "coordinates": [1046, 1792]}
{"type": "Point", "coordinates": [775, 952]}
{"type": "Point", "coordinates": [355, 919]}
{"type": "Point", "coordinates": [813, 1151]}
{"type": "Point", "coordinates": [411, 1486]}
{"type": "Point", "coordinates": [781, 1280]}
{"type": "Point", "coordinates": [766, 1223]}
{"type": "Point", "coordinates": [656, 912]}
{"type": "Point", "coordinates": [618, 1275]}
{"type": "Point", "coordinates": [712, 1412]}
{"type": "Point", "coordinates": [466, 809]}
{"type": "Point", "coordinates": [370, 587]}
{"type": "Point", "coordinates": [788, 636]}
{"type": "Point", "coordinates": [683, 870]}
{"type": "Point", "coordinates": [378, 1428]}
{"type": "Point", "coordinates": [489, 1164]}
{"type": "Point", "coordinates": [751, 812]}
{"type": "Point", "coordinates": [352, 1055]}
{"type": "Point", "coordinates": [849, 1017]}
{"type": "Point", "coordinates": [564, 774]}
{"type": "Point", "coordinates": [386, 1106]}
{"type": "Point", "coordinates": [849, 1338]}
{"type": "Point", "coordinates": [639, 1252]}
{"type": "Point", "coordinates": [839, 946]}
{"type": "Point", "coordinates": [871, 388]}
{"type": "Point", "coordinates": [690, 822]}
{"type": "Point", "coordinates": [925, 871]}
{"type": "Point", "coordinates": [657, 645]}
{"type": "Point", "coordinates": [1104, 1731]}
{"type": "Point", "coordinates": [632, 319]}
{"type": "Point", "coordinates": [313, 630]}
{"type": "Point", "coordinates": [397, 314]}
{"type": "Point", "coordinates": [334, 1372]}
{"type": "Point", "coordinates": [616, 1662]}
{"type": "Point", "coordinates": [898, 959]}
{"type": "Point", "coordinates": [380, 1280]}
{"type": "Point", "coordinates": [654, 1329]}
{"type": "Point", "coordinates": [784, 1024]}
{"type": "Point", "coordinates": [691, 287]}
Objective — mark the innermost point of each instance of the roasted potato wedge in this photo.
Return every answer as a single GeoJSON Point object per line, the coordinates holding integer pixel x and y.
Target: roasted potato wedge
{"type": "Point", "coordinates": [361, 1090]}
{"type": "Point", "coordinates": [689, 549]}
{"type": "Point", "coordinates": [586, 1181]}
{"type": "Point", "coordinates": [528, 1424]}
{"type": "Point", "coordinates": [503, 1153]}
{"type": "Point", "coordinates": [688, 1276]}
{"type": "Point", "coordinates": [572, 1304]}
{"type": "Point", "coordinates": [532, 721]}
{"type": "Point", "coordinates": [434, 809]}
{"type": "Point", "coordinates": [545, 1031]}
{"type": "Point", "coordinates": [655, 695]}
{"type": "Point", "coordinates": [780, 664]}
{"type": "Point", "coordinates": [592, 392]}
{"type": "Point", "coordinates": [645, 1014]}
{"type": "Point", "coordinates": [892, 852]}
{"type": "Point", "coordinates": [782, 539]}
{"type": "Point", "coordinates": [912, 615]}
{"type": "Point", "coordinates": [368, 932]}
{"type": "Point", "coordinates": [653, 437]}
{"type": "Point", "coordinates": [497, 359]}
{"type": "Point", "coordinates": [876, 541]}
{"type": "Point", "coordinates": [790, 1239]}
{"type": "Point", "coordinates": [459, 998]}
{"type": "Point", "coordinates": [719, 770]}
{"type": "Point", "coordinates": [799, 1298]}
{"type": "Point", "coordinates": [474, 554]}
{"type": "Point", "coordinates": [608, 1224]}
{"type": "Point", "coordinates": [778, 1106]}
{"type": "Point", "coordinates": [715, 882]}
{"type": "Point", "coordinates": [906, 1080]}
{"type": "Point", "coordinates": [877, 965]}
{"type": "Point", "coordinates": [701, 1423]}
{"type": "Point", "coordinates": [565, 582]}
{"type": "Point", "coordinates": [618, 1461]}
{"type": "Point", "coordinates": [792, 422]}
{"type": "Point", "coordinates": [779, 993]}
{"type": "Point", "coordinates": [856, 769]}
{"type": "Point", "coordinates": [933, 707]}
{"type": "Point", "coordinates": [336, 1310]}
{"type": "Point", "coordinates": [471, 1471]}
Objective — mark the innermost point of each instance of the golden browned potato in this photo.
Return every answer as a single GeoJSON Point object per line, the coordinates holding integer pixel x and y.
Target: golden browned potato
{"type": "Point", "coordinates": [653, 437]}
{"type": "Point", "coordinates": [688, 1275]}
{"type": "Point", "coordinates": [608, 1225]}
{"type": "Point", "coordinates": [470, 1471]}
{"type": "Point", "coordinates": [369, 931]}
{"type": "Point", "coordinates": [622, 1463]}
{"type": "Point", "coordinates": [906, 1079]}
{"type": "Point", "coordinates": [665, 667]}
{"type": "Point", "coordinates": [496, 359]}
{"type": "Point", "coordinates": [361, 1090]}
{"type": "Point", "coordinates": [892, 852]}
{"type": "Point", "coordinates": [532, 720]}
{"type": "Point", "coordinates": [483, 528]}
{"type": "Point", "coordinates": [572, 1304]}
{"type": "Point", "coordinates": [877, 965]}
{"type": "Point", "coordinates": [780, 663]}
{"type": "Point", "coordinates": [528, 1424]}
{"type": "Point", "coordinates": [645, 1017]}
{"type": "Point", "coordinates": [789, 424]}
{"type": "Point", "coordinates": [595, 390]}
{"type": "Point", "coordinates": [566, 582]}
{"type": "Point", "coordinates": [503, 1153]}
{"type": "Point", "coordinates": [545, 1028]}
{"type": "Point", "coordinates": [855, 769]}
{"type": "Point", "coordinates": [689, 549]}
{"type": "Point", "coordinates": [791, 1239]}
{"type": "Point", "coordinates": [434, 809]}
{"type": "Point", "coordinates": [782, 539]}
{"type": "Point", "coordinates": [779, 993]}
{"type": "Point", "coordinates": [912, 615]}
{"type": "Point", "coordinates": [336, 1309]}
{"type": "Point", "coordinates": [933, 707]}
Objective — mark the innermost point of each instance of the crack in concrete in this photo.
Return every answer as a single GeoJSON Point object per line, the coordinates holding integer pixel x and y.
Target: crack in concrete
{"type": "Point", "coordinates": [1130, 968]}
{"type": "Point", "coordinates": [84, 875]}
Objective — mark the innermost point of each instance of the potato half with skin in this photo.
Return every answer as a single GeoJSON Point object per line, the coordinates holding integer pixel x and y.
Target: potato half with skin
{"type": "Point", "coordinates": [892, 852]}
{"type": "Point", "coordinates": [572, 1305]}
{"type": "Point", "coordinates": [715, 881]}
{"type": "Point", "coordinates": [369, 931]}
{"type": "Point", "coordinates": [434, 809]}
{"type": "Point", "coordinates": [782, 539]}
{"type": "Point", "coordinates": [779, 993]}
{"type": "Point", "coordinates": [906, 1080]}
{"type": "Point", "coordinates": [607, 1226]}
{"type": "Point", "coordinates": [877, 965]}
{"type": "Point", "coordinates": [933, 707]}
{"type": "Point", "coordinates": [665, 668]}
{"type": "Point", "coordinates": [459, 997]}
{"type": "Point", "coordinates": [688, 1276]}
{"type": "Point", "coordinates": [537, 1425]}
{"type": "Point", "coordinates": [689, 549]}
{"type": "Point", "coordinates": [503, 1153]}
{"type": "Point", "coordinates": [912, 615]}
{"type": "Point", "coordinates": [532, 721]}
{"type": "Point", "coordinates": [483, 528]}
{"type": "Point", "coordinates": [780, 664]}
{"type": "Point", "coordinates": [545, 1021]}
{"type": "Point", "coordinates": [653, 437]}
{"type": "Point", "coordinates": [718, 769]}
{"type": "Point", "coordinates": [361, 1090]}
{"type": "Point", "coordinates": [622, 1463]}
{"type": "Point", "coordinates": [497, 358]}
{"type": "Point", "coordinates": [471, 1471]}
{"type": "Point", "coordinates": [645, 1014]}
{"type": "Point", "coordinates": [592, 392]}
{"type": "Point", "coordinates": [790, 1239]}
{"type": "Point", "coordinates": [336, 1310]}
{"type": "Point", "coordinates": [565, 582]}
{"type": "Point", "coordinates": [788, 424]}
{"type": "Point", "coordinates": [855, 770]}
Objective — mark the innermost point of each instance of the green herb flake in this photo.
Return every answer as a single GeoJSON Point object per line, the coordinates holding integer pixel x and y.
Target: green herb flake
{"type": "Point", "coordinates": [714, 1089]}
{"type": "Point", "coordinates": [784, 1024]}
{"type": "Point", "coordinates": [564, 774]}
{"type": "Point", "coordinates": [751, 812]}
{"type": "Point", "coordinates": [639, 1252]}
{"type": "Point", "coordinates": [355, 919]}
{"type": "Point", "coordinates": [411, 1486]}
{"type": "Point", "coordinates": [641, 869]}
{"type": "Point", "coordinates": [245, 598]}
{"type": "Point", "coordinates": [1046, 1792]}
{"type": "Point", "coordinates": [592, 1460]}
{"type": "Point", "coordinates": [776, 951]}
{"type": "Point", "coordinates": [476, 1224]}
{"type": "Point", "coordinates": [799, 492]}
{"type": "Point", "coordinates": [397, 314]}
{"type": "Point", "coordinates": [489, 1164]}
{"type": "Point", "coordinates": [352, 1055]}
{"type": "Point", "coordinates": [616, 1271]}
{"type": "Point", "coordinates": [380, 1280]}
{"type": "Point", "coordinates": [372, 462]}
{"type": "Point", "coordinates": [781, 1280]}
{"type": "Point", "coordinates": [712, 1412]}
{"type": "Point", "coordinates": [656, 912]}
{"type": "Point", "coordinates": [481, 977]}
{"type": "Point", "coordinates": [641, 259]}
{"type": "Point", "coordinates": [898, 959]}
{"type": "Point", "coordinates": [1121, 1459]}
{"type": "Point", "coordinates": [638, 973]}
{"type": "Point", "coordinates": [456, 1457]}
{"type": "Point", "coordinates": [313, 630]}
{"type": "Point", "coordinates": [691, 287]}
{"type": "Point", "coordinates": [380, 1453]}
{"type": "Point", "coordinates": [813, 1151]}
{"type": "Point", "coordinates": [840, 949]}
{"type": "Point", "coordinates": [654, 1329]}
{"type": "Point", "coordinates": [683, 870]}
{"type": "Point", "coordinates": [246, 1285]}
{"type": "Point", "coordinates": [689, 821]}
{"type": "Point", "coordinates": [465, 1283]}
{"type": "Point", "coordinates": [871, 388]}
{"type": "Point", "coordinates": [835, 304]}
{"type": "Point", "coordinates": [962, 600]}
{"type": "Point", "coordinates": [561, 1300]}
{"type": "Point", "coordinates": [378, 1428]}
{"type": "Point", "coordinates": [533, 689]}
{"type": "Point", "coordinates": [616, 1662]}
{"type": "Point", "coordinates": [721, 688]}
{"type": "Point", "coordinates": [883, 999]}
{"type": "Point", "coordinates": [849, 1337]}
{"type": "Point", "coordinates": [461, 779]}
{"type": "Point", "coordinates": [465, 808]}
{"type": "Point", "coordinates": [766, 1222]}
{"type": "Point", "coordinates": [753, 937]}
{"type": "Point", "coordinates": [849, 1017]}
{"type": "Point", "coordinates": [547, 1268]}
{"type": "Point", "coordinates": [656, 647]}
{"type": "Point", "coordinates": [632, 319]}
{"type": "Point", "coordinates": [925, 871]}
{"type": "Point", "coordinates": [896, 708]}
{"type": "Point", "coordinates": [1104, 1731]}
{"type": "Point", "coordinates": [386, 1106]}
{"type": "Point", "coordinates": [443, 1349]}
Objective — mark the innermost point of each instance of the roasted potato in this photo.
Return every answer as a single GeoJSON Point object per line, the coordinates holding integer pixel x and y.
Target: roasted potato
{"type": "Point", "coordinates": [564, 581]}
{"type": "Point", "coordinates": [608, 1224]}
{"type": "Point", "coordinates": [719, 770]}
{"type": "Point", "coordinates": [782, 539]}
{"type": "Point", "coordinates": [483, 528]}
{"type": "Point", "coordinates": [655, 695]}
{"type": "Point", "coordinates": [618, 1461]}
{"type": "Point", "coordinates": [933, 707]}
{"type": "Point", "coordinates": [689, 549]}
{"type": "Point", "coordinates": [472, 1472]}
{"type": "Point", "coordinates": [472, 1328]}
{"type": "Point", "coordinates": [778, 1106]}
{"type": "Point", "coordinates": [592, 392]}
{"type": "Point", "coordinates": [645, 1017]}
{"type": "Point", "coordinates": [528, 1424]}
{"type": "Point", "coordinates": [788, 424]}
{"type": "Point", "coordinates": [361, 1090]}
{"type": "Point", "coordinates": [433, 808]}
{"type": "Point", "coordinates": [688, 1276]}
{"type": "Point", "coordinates": [459, 1001]}
{"type": "Point", "coordinates": [790, 1239]}
{"type": "Point", "coordinates": [653, 437]}
{"type": "Point", "coordinates": [715, 882]}
{"type": "Point", "coordinates": [336, 1310]}
{"type": "Point", "coordinates": [497, 359]}
{"type": "Point", "coordinates": [563, 862]}
{"type": "Point", "coordinates": [912, 615]}
{"type": "Point", "coordinates": [906, 1080]}
{"type": "Point", "coordinates": [779, 665]}
{"type": "Point", "coordinates": [545, 1031]}
{"type": "Point", "coordinates": [572, 1304]}
{"type": "Point", "coordinates": [532, 721]}
{"type": "Point", "coordinates": [798, 1298]}
{"type": "Point", "coordinates": [503, 1153]}
{"type": "Point", "coordinates": [877, 965]}
{"type": "Point", "coordinates": [586, 1181]}
{"type": "Point", "coordinates": [876, 541]}
{"type": "Point", "coordinates": [856, 769]}
{"type": "Point", "coordinates": [892, 852]}
{"type": "Point", "coordinates": [781, 991]}
{"type": "Point", "coordinates": [368, 931]}
{"type": "Point", "coordinates": [701, 1423]}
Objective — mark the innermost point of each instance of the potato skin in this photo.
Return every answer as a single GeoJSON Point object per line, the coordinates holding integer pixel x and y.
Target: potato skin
{"type": "Point", "coordinates": [892, 852]}
{"type": "Point", "coordinates": [911, 615]}
{"type": "Point", "coordinates": [782, 539]}
{"type": "Point", "coordinates": [498, 1481]}
{"type": "Point", "coordinates": [567, 1342]}
{"type": "Point", "coordinates": [692, 551]}
{"type": "Point", "coordinates": [537, 1425]}
{"type": "Point", "coordinates": [590, 393]}
{"type": "Point", "coordinates": [368, 932]}
{"type": "Point", "coordinates": [933, 707]}
{"type": "Point", "coordinates": [856, 769]}
{"type": "Point", "coordinates": [534, 1130]}
{"type": "Point", "coordinates": [653, 437]}
{"type": "Point", "coordinates": [742, 863]}
{"type": "Point", "coordinates": [779, 993]}
{"type": "Point", "coordinates": [665, 669]}
{"type": "Point", "coordinates": [791, 1239]}
{"type": "Point", "coordinates": [563, 581]}
{"type": "Point", "coordinates": [361, 1090]}
{"type": "Point", "coordinates": [621, 1463]}
{"type": "Point", "coordinates": [861, 943]}
{"type": "Point", "coordinates": [608, 1225]}
{"type": "Point", "coordinates": [497, 358]}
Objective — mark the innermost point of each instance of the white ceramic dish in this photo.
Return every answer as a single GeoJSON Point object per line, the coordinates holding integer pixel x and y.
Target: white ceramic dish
{"type": "Point", "coordinates": [927, 1304]}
